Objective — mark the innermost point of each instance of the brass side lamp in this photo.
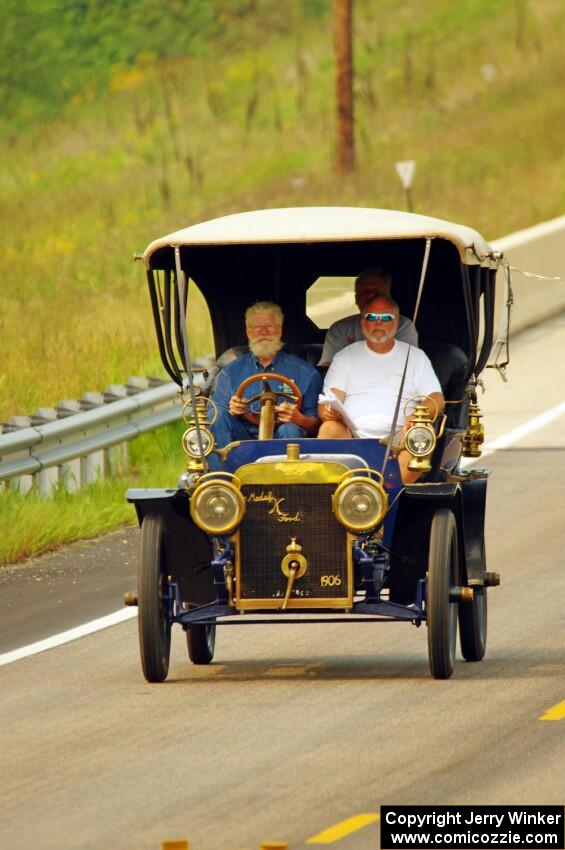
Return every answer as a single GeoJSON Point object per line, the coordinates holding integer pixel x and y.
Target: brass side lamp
{"type": "Point", "coordinates": [206, 413]}
{"type": "Point", "coordinates": [420, 439]}
{"type": "Point", "coordinates": [475, 433]}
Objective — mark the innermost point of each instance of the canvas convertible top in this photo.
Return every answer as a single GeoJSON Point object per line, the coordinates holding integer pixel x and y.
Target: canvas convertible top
{"type": "Point", "coordinates": [441, 271]}
{"type": "Point", "coordinates": [323, 224]}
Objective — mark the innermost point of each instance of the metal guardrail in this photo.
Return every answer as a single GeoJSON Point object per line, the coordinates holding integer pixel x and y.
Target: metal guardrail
{"type": "Point", "coordinates": [72, 445]}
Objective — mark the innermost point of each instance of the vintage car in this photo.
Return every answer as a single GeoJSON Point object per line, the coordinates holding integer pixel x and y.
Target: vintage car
{"type": "Point", "coordinates": [315, 530]}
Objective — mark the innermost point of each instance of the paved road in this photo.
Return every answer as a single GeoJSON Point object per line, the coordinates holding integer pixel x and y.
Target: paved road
{"type": "Point", "coordinates": [69, 587]}
{"type": "Point", "coordinates": [295, 729]}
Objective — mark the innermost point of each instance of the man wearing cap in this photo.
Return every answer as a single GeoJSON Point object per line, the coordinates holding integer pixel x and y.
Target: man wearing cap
{"type": "Point", "coordinates": [371, 282]}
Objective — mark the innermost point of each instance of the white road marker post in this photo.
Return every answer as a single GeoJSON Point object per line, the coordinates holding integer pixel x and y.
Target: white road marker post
{"type": "Point", "coordinates": [405, 171]}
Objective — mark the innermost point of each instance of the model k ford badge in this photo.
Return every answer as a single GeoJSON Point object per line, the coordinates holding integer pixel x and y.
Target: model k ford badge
{"type": "Point", "coordinates": [275, 506]}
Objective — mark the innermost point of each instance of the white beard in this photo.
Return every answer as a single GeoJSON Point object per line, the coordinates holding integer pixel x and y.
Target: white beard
{"type": "Point", "coordinates": [266, 347]}
{"type": "Point", "coordinates": [380, 335]}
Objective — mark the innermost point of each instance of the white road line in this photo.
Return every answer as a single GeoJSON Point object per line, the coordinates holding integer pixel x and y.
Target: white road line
{"type": "Point", "coordinates": [65, 637]}
{"type": "Point", "coordinates": [539, 421]}
{"type": "Point", "coordinates": [534, 424]}
{"type": "Point", "coordinates": [523, 237]}
{"type": "Point", "coordinates": [518, 433]}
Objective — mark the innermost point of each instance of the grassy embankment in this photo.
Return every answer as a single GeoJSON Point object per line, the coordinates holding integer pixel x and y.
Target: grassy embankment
{"type": "Point", "coordinates": [244, 124]}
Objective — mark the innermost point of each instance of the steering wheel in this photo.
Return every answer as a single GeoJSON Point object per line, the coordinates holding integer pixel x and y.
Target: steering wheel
{"type": "Point", "coordinates": [267, 393]}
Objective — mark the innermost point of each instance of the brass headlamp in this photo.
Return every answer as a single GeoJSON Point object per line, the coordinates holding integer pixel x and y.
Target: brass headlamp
{"type": "Point", "coordinates": [217, 505]}
{"type": "Point", "coordinates": [360, 503]}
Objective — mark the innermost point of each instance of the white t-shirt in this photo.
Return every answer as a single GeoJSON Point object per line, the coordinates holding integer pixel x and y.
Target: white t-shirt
{"type": "Point", "coordinates": [371, 383]}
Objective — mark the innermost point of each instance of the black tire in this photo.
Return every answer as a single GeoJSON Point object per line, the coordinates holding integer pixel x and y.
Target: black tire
{"type": "Point", "coordinates": [473, 626]}
{"type": "Point", "coordinates": [201, 640]}
{"type": "Point", "coordinates": [152, 587]}
{"type": "Point", "coordinates": [443, 573]}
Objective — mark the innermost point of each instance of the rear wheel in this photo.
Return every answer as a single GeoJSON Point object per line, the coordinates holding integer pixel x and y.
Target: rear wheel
{"type": "Point", "coordinates": [473, 626]}
{"type": "Point", "coordinates": [201, 640]}
{"type": "Point", "coordinates": [152, 589]}
{"type": "Point", "coordinates": [443, 572]}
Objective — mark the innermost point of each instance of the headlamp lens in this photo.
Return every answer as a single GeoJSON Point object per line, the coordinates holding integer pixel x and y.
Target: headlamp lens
{"type": "Point", "coordinates": [420, 440]}
{"type": "Point", "coordinates": [360, 504]}
{"type": "Point", "coordinates": [190, 441]}
{"type": "Point", "coordinates": [217, 508]}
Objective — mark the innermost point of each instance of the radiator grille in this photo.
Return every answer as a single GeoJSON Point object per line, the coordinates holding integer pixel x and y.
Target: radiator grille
{"type": "Point", "coordinates": [275, 514]}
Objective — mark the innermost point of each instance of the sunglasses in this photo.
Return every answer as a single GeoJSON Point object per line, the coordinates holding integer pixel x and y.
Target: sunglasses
{"type": "Point", "coordinates": [379, 317]}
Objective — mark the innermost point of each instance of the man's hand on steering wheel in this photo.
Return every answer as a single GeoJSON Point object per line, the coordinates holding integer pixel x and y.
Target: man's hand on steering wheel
{"type": "Point", "coordinates": [238, 401]}
{"type": "Point", "coordinates": [237, 406]}
{"type": "Point", "coordinates": [287, 412]}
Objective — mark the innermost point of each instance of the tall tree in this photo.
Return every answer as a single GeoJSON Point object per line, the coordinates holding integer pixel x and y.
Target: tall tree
{"type": "Point", "coordinates": [343, 44]}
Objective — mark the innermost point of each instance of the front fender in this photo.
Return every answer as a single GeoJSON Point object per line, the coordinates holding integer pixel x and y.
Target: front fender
{"type": "Point", "coordinates": [188, 549]}
{"type": "Point", "coordinates": [467, 500]}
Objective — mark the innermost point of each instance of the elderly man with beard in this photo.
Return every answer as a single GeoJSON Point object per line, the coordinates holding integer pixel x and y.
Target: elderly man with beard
{"type": "Point", "coordinates": [366, 377]}
{"type": "Point", "coordinates": [263, 323]}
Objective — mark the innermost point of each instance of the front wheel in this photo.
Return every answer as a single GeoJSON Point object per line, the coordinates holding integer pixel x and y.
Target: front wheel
{"type": "Point", "coordinates": [443, 572]}
{"type": "Point", "coordinates": [201, 641]}
{"type": "Point", "coordinates": [473, 626]}
{"type": "Point", "coordinates": [152, 589]}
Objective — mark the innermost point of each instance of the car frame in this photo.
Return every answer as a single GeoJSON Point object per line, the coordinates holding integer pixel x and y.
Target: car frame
{"type": "Point", "coordinates": [289, 546]}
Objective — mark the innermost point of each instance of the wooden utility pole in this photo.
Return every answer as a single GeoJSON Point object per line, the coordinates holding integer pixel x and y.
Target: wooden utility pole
{"type": "Point", "coordinates": [343, 42]}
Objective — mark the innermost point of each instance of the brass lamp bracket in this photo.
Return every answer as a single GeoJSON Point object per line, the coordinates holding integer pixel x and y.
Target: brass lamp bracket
{"type": "Point", "coordinates": [224, 452]}
{"type": "Point", "coordinates": [229, 576]}
{"type": "Point", "coordinates": [421, 414]}
{"type": "Point", "coordinates": [206, 410]}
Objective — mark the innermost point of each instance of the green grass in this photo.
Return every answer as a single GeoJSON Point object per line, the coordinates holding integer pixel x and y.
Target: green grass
{"type": "Point", "coordinates": [149, 145]}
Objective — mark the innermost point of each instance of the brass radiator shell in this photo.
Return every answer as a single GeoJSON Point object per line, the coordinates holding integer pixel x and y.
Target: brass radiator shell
{"type": "Point", "coordinates": [285, 500]}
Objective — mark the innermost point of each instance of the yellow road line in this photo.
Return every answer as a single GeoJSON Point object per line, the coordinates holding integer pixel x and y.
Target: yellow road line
{"type": "Point", "coordinates": [340, 830]}
{"type": "Point", "coordinates": [557, 712]}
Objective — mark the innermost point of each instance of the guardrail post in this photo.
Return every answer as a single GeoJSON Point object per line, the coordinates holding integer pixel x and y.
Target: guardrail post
{"type": "Point", "coordinates": [136, 384]}
{"type": "Point", "coordinates": [92, 466]}
{"type": "Point", "coordinates": [70, 471]}
{"type": "Point", "coordinates": [25, 482]}
{"type": "Point", "coordinates": [116, 456]}
{"type": "Point", "coordinates": [48, 477]}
